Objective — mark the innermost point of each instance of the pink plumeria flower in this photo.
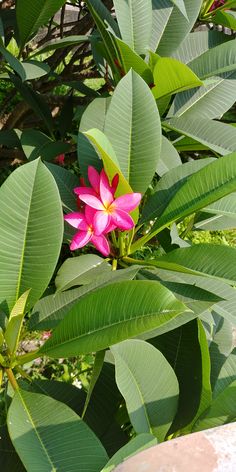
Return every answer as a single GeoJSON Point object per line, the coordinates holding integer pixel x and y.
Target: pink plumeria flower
{"type": "Point", "coordinates": [94, 180]}
{"type": "Point", "coordinates": [87, 231]}
{"type": "Point", "coordinates": [110, 210]}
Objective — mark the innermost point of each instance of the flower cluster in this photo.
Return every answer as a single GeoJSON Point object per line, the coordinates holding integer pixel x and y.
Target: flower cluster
{"type": "Point", "coordinates": [100, 212]}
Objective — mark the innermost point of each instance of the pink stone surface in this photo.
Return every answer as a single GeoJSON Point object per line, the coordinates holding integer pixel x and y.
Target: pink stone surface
{"type": "Point", "coordinates": [213, 450]}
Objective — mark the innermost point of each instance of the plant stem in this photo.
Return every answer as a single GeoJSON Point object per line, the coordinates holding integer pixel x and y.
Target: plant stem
{"type": "Point", "coordinates": [12, 379]}
{"type": "Point", "coordinates": [114, 264]}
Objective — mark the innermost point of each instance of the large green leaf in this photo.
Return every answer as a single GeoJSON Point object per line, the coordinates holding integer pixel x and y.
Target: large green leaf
{"type": "Point", "coordinates": [209, 259]}
{"type": "Point", "coordinates": [93, 117]}
{"type": "Point", "coordinates": [217, 136]}
{"type": "Point", "coordinates": [215, 61]}
{"type": "Point", "coordinates": [172, 76]}
{"type": "Point", "coordinates": [37, 144]}
{"type": "Point", "coordinates": [135, 21]}
{"type": "Point", "coordinates": [80, 270]}
{"type": "Point", "coordinates": [220, 347]}
{"type": "Point", "coordinates": [222, 410]}
{"type": "Point", "coordinates": [184, 350]}
{"type": "Point", "coordinates": [169, 157]}
{"type": "Point", "coordinates": [102, 408]}
{"type": "Point", "coordinates": [31, 229]}
{"type": "Point", "coordinates": [66, 182]}
{"type": "Point", "coordinates": [9, 460]}
{"type": "Point", "coordinates": [218, 215]}
{"type": "Point", "coordinates": [198, 42]}
{"type": "Point", "coordinates": [169, 185]}
{"type": "Point", "coordinates": [198, 191]}
{"type": "Point", "coordinates": [130, 59]}
{"type": "Point", "coordinates": [133, 127]}
{"type": "Point", "coordinates": [26, 70]}
{"type": "Point", "coordinates": [59, 43]}
{"type": "Point", "coordinates": [226, 18]}
{"type": "Point", "coordinates": [227, 374]}
{"type": "Point", "coordinates": [30, 16]}
{"type": "Point", "coordinates": [210, 101]}
{"type": "Point", "coordinates": [100, 320]}
{"type": "Point", "coordinates": [99, 14]}
{"type": "Point", "coordinates": [137, 444]}
{"type": "Point", "coordinates": [149, 386]}
{"type": "Point", "coordinates": [178, 27]}
{"type": "Point", "coordinates": [161, 11]}
{"type": "Point", "coordinates": [50, 310]}
{"type": "Point", "coordinates": [37, 424]}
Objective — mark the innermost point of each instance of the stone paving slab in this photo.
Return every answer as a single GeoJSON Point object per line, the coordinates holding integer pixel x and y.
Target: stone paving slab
{"type": "Point", "coordinates": [212, 450]}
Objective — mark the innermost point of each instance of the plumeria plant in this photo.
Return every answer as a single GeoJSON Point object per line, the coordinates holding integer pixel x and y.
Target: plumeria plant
{"type": "Point", "coordinates": [98, 261]}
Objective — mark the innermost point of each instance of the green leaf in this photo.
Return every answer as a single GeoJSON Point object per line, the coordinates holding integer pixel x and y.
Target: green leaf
{"type": "Point", "coordinates": [227, 373]}
{"type": "Point", "coordinates": [36, 424]}
{"type": "Point", "coordinates": [50, 310]}
{"type": "Point", "coordinates": [221, 343]}
{"type": "Point", "coordinates": [198, 42]}
{"type": "Point", "coordinates": [161, 11]}
{"type": "Point", "coordinates": [184, 351]}
{"type": "Point", "coordinates": [66, 182]}
{"type": "Point", "coordinates": [217, 136]}
{"type": "Point", "coordinates": [31, 229]}
{"type": "Point", "coordinates": [129, 59]}
{"type": "Point", "coordinates": [171, 76]}
{"type": "Point", "coordinates": [178, 27]}
{"type": "Point", "coordinates": [135, 22]}
{"type": "Point", "coordinates": [149, 386]}
{"type": "Point", "coordinates": [102, 408]}
{"type": "Point", "coordinates": [99, 14]}
{"type": "Point", "coordinates": [210, 101]}
{"type": "Point", "coordinates": [169, 185]}
{"type": "Point", "coordinates": [37, 144]}
{"type": "Point", "coordinates": [181, 6]}
{"type": "Point", "coordinates": [13, 62]}
{"type": "Point", "coordinates": [209, 259]}
{"type": "Point", "coordinates": [100, 320]}
{"type": "Point", "coordinates": [221, 411]}
{"type": "Point", "coordinates": [31, 16]}
{"type": "Point", "coordinates": [59, 43]}
{"type": "Point", "coordinates": [138, 143]}
{"type": "Point", "coordinates": [35, 101]}
{"type": "Point", "coordinates": [80, 270]}
{"type": "Point", "coordinates": [9, 460]}
{"type": "Point", "coordinates": [225, 18]}
{"type": "Point", "coordinates": [136, 445]}
{"type": "Point", "coordinates": [15, 321]}
{"type": "Point", "coordinates": [169, 157]}
{"type": "Point", "coordinates": [35, 69]}
{"type": "Point", "coordinates": [198, 192]}
{"type": "Point", "coordinates": [97, 368]}
{"type": "Point", "coordinates": [93, 117]}
{"type": "Point", "coordinates": [215, 61]}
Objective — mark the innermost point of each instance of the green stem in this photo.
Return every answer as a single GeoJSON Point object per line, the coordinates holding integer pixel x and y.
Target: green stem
{"type": "Point", "coordinates": [114, 264]}
{"type": "Point", "coordinates": [121, 245]}
{"type": "Point", "coordinates": [12, 379]}
{"type": "Point", "coordinates": [25, 358]}
{"type": "Point", "coordinates": [130, 260]}
{"type": "Point", "coordinates": [114, 240]}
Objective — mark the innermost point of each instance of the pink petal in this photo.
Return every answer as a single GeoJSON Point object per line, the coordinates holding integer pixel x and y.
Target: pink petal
{"type": "Point", "coordinates": [110, 227]}
{"type": "Point", "coordinates": [92, 201]}
{"type": "Point", "coordinates": [114, 183]}
{"type": "Point", "coordinates": [77, 220]}
{"type": "Point", "coordinates": [122, 219]}
{"type": "Point", "coordinates": [101, 243]}
{"type": "Point", "coordinates": [84, 190]}
{"type": "Point", "coordinates": [80, 239]}
{"type": "Point", "coordinates": [105, 190]}
{"type": "Point", "coordinates": [128, 202]}
{"type": "Point", "coordinates": [89, 214]}
{"type": "Point", "coordinates": [100, 222]}
{"type": "Point", "coordinates": [94, 178]}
